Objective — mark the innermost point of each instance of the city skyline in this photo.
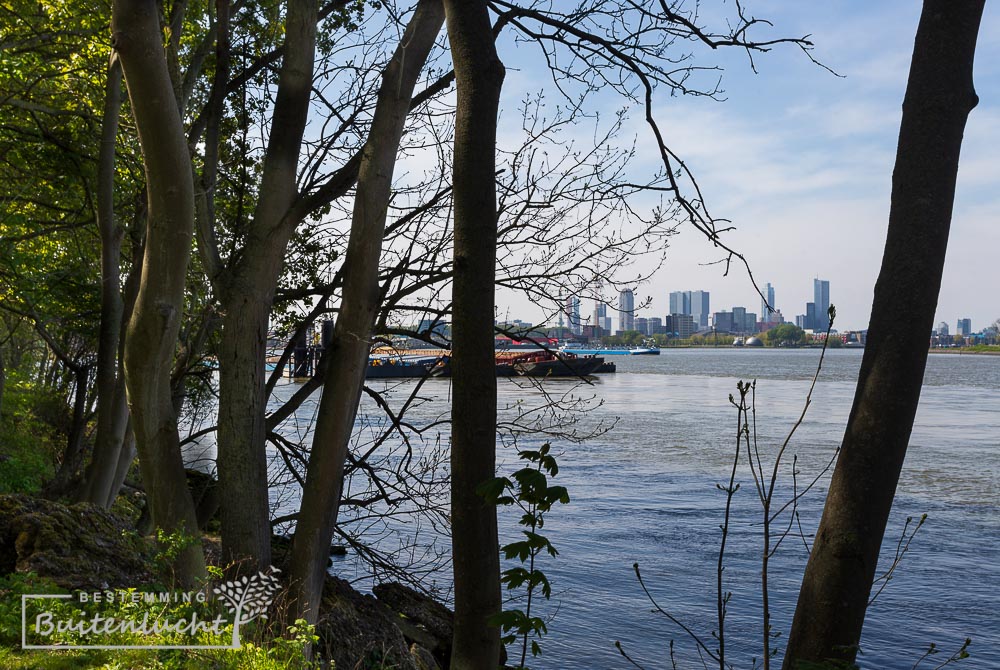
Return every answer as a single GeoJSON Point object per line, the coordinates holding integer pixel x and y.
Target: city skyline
{"type": "Point", "coordinates": [687, 301]}
{"type": "Point", "coordinates": [801, 162]}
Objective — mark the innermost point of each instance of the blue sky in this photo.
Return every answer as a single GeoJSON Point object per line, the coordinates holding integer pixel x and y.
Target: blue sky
{"type": "Point", "coordinates": [801, 161]}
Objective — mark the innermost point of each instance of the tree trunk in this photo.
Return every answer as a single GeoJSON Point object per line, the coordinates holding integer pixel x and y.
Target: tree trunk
{"type": "Point", "coordinates": [347, 358]}
{"type": "Point", "coordinates": [838, 577]}
{"type": "Point", "coordinates": [247, 297]}
{"type": "Point", "coordinates": [110, 405]}
{"type": "Point", "coordinates": [475, 549]}
{"type": "Point", "coordinates": [73, 454]}
{"type": "Point", "coordinates": [152, 331]}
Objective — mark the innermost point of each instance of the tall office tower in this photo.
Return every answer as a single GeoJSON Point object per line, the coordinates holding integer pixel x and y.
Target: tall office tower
{"type": "Point", "coordinates": [700, 308]}
{"type": "Point", "coordinates": [600, 311]}
{"type": "Point", "coordinates": [680, 302]}
{"type": "Point", "coordinates": [626, 311]}
{"type": "Point", "coordinates": [812, 318]}
{"type": "Point", "coordinates": [821, 297]}
{"type": "Point", "coordinates": [964, 327]}
{"type": "Point", "coordinates": [571, 309]}
{"type": "Point", "coordinates": [606, 325]}
{"type": "Point", "coordinates": [766, 313]}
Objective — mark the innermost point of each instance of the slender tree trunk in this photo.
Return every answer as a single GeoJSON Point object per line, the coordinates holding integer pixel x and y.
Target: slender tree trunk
{"type": "Point", "coordinates": [347, 359]}
{"type": "Point", "coordinates": [110, 405]}
{"type": "Point", "coordinates": [838, 577]}
{"type": "Point", "coordinates": [155, 322]}
{"type": "Point", "coordinates": [73, 454]}
{"type": "Point", "coordinates": [247, 297]}
{"type": "Point", "coordinates": [475, 549]}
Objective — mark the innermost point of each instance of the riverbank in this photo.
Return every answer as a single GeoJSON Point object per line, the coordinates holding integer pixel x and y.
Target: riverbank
{"type": "Point", "coordinates": [980, 350]}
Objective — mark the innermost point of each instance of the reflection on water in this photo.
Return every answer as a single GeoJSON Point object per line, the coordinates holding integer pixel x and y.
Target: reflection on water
{"type": "Point", "coordinates": [645, 491]}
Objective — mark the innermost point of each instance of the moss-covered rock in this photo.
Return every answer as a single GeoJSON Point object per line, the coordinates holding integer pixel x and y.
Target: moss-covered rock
{"type": "Point", "coordinates": [79, 546]}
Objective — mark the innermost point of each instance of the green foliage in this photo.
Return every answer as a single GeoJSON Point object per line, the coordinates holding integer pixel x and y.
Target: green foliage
{"type": "Point", "coordinates": [530, 491]}
{"type": "Point", "coordinates": [265, 652]}
{"type": "Point", "coordinates": [785, 334]}
{"type": "Point", "coordinates": [629, 338]}
{"type": "Point", "coordinates": [29, 442]}
{"type": "Point", "coordinates": [170, 546]}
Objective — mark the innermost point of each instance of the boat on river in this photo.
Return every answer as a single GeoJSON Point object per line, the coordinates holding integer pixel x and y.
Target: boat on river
{"type": "Point", "coordinates": [400, 367]}
{"type": "Point", "coordinates": [539, 363]}
{"type": "Point", "coordinates": [620, 351]}
{"type": "Point", "coordinates": [559, 366]}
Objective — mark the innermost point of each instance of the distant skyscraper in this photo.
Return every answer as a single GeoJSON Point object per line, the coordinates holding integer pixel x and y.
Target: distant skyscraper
{"type": "Point", "coordinates": [571, 309]}
{"type": "Point", "coordinates": [765, 311]}
{"type": "Point", "coordinates": [626, 311]}
{"type": "Point", "coordinates": [680, 302]}
{"type": "Point", "coordinates": [812, 318]}
{"type": "Point", "coordinates": [600, 311]}
{"type": "Point", "coordinates": [700, 309]}
{"type": "Point", "coordinates": [821, 296]}
{"type": "Point", "coordinates": [964, 327]}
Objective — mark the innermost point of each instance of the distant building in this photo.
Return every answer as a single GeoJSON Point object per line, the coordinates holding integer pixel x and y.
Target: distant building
{"type": "Point", "coordinates": [700, 309]}
{"type": "Point", "coordinates": [680, 325]}
{"type": "Point", "coordinates": [964, 327]}
{"type": "Point", "coordinates": [800, 321]}
{"type": "Point", "coordinates": [641, 325]}
{"type": "Point", "coordinates": [739, 317]}
{"type": "Point", "coordinates": [775, 319]}
{"type": "Point", "coordinates": [571, 310]}
{"type": "Point", "coordinates": [435, 327]}
{"type": "Point", "coordinates": [600, 311]}
{"type": "Point", "coordinates": [606, 324]}
{"type": "Point", "coordinates": [680, 302]}
{"type": "Point", "coordinates": [941, 330]}
{"type": "Point", "coordinates": [812, 323]}
{"type": "Point", "coordinates": [722, 322]}
{"type": "Point", "coordinates": [737, 321]}
{"type": "Point", "coordinates": [821, 300]}
{"type": "Point", "coordinates": [767, 308]}
{"type": "Point", "coordinates": [695, 303]}
{"type": "Point", "coordinates": [654, 326]}
{"type": "Point", "coordinates": [626, 311]}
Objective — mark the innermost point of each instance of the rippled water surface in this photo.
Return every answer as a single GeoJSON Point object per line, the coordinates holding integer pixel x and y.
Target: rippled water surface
{"type": "Point", "coordinates": [645, 492]}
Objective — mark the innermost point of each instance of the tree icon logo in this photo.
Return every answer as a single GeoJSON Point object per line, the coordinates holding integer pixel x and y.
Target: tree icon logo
{"type": "Point", "coordinates": [248, 598]}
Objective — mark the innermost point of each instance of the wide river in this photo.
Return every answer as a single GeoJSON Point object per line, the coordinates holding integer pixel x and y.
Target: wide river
{"type": "Point", "coordinates": [644, 491]}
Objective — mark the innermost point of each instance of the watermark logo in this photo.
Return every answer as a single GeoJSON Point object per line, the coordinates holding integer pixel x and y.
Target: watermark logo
{"type": "Point", "coordinates": [131, 619]}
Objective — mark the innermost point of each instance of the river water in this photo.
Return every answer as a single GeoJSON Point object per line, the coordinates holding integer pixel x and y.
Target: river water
{"type": "Point", "coordinates": [644, 491]}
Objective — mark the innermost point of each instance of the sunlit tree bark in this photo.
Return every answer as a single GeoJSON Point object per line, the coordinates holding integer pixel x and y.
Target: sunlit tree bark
{"type": "Point", "coordinates": [247, 295]}
{"type": "Point", "coordinates": [152, 332]}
